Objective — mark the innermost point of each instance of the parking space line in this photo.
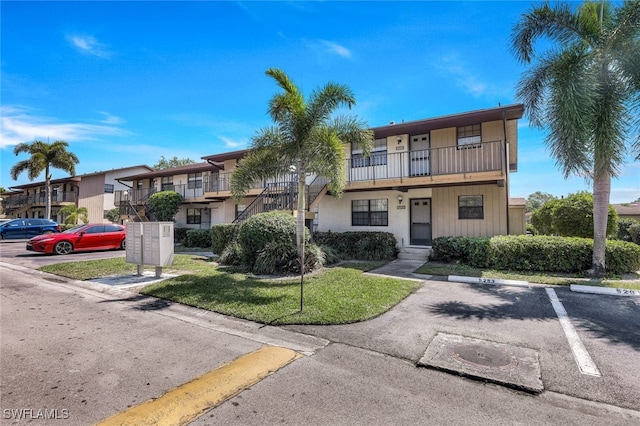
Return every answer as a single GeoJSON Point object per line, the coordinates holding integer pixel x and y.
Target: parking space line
{"type": "Point", "coordinates": [582, 357]}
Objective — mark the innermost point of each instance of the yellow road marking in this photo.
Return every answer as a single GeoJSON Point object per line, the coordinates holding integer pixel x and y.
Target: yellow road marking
{"type": "Point", "coordinates": [189, 401]}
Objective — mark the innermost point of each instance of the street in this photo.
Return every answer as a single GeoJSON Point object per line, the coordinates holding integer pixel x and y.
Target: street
{"type": "Point", "coordinates": [90, 353]}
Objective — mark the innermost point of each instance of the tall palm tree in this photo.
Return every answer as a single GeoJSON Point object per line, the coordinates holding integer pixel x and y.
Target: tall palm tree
{"type": "Point", "coordinates": [44, 156]}
{"type": "Point", "coordinates": [586, 90]}
{"type": "Point", "coordinates": [306, 138]}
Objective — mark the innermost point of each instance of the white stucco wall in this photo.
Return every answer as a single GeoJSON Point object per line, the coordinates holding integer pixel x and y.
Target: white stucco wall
{"type": "Point", "coordinates": [335, 215]}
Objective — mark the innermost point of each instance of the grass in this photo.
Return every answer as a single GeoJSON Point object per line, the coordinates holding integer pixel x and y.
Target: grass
{"type": "Point", "coordinates": [337, 295]}
{"type": "Point", "coordinates": [437, 268]}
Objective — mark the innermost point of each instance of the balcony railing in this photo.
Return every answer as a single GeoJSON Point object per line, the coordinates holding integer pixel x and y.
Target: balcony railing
{"type": "Point", "coordinates": [488, 156]}
{"type": "Point", "coordinates": [133, 196]}
{"type": "Point", "coordinates": [221, 182]}
{"type": "Point", "coordinates": [17, 201]}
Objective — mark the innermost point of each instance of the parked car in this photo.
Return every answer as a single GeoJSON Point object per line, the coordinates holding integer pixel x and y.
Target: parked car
{"type": "Point", "coordinates": [27, 228]}
{"type": "Point", "coordinates": [92, 236]}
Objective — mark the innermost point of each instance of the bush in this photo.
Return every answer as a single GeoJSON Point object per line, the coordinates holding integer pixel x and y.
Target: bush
{"type": "Point", "coordinates": [571, 217]}
{"type": "Point", "coordinates": [623, 228]}
{"type": "Point", "coordinates": [359, 245]}
{"type": "Point", "coordinates": [279, 257]}
{"type": "Point", "coordinates": [198, 238]}
{"type": "Point", "coordinates": [262, 229]}
{"type": "Point", "coordinates": [231, 255]}
{"type": "Point", "coordinates": [179, 235]}
{"type": "Point", "coordinates": [634, 233]}
{"type": "Point", "coordinates": [535, 253]}
{"type": "Point", "coordinates": [164, 205]}
{"type": "Point", "coordinates": [222, 235]}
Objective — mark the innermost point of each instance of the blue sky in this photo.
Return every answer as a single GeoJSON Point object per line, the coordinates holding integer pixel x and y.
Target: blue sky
{"type": "Point", "coordinates": [128, 82]}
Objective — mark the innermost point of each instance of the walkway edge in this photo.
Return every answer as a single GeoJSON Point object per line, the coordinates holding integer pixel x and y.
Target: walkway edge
{"type": "Point", "coordinates": [191, 400]}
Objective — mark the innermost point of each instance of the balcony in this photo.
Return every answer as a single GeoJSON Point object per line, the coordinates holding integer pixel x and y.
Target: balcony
{"type": "Point", "coordinates": [39, 199]}
{"type": "Point", "coordinates": [133, 196]}
{"type": "Point", "coordinates": [449, 163]}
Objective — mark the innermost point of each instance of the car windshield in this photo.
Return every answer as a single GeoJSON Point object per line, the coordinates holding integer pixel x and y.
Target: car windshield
{"type": "Point", "coordinates": [73, 230]}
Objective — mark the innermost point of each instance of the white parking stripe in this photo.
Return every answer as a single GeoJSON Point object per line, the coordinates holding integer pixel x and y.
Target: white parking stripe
{"type": "Point", "coordinates": [585, 363]}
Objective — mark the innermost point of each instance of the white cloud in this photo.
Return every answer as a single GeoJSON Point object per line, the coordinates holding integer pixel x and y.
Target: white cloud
{"type": "Point", "coordinates": [336, 49]}
{"type": "Point", "coordinates": [88, 45]}
{"type": "Point", "coordinates": [20, 125]}
{"type": "Point", "coordinates": [111, 119]}
{"type": "Point", "coordinates": [230, 143]}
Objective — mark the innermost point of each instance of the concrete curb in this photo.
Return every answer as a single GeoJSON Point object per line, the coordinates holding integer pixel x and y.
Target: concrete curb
{"type": "Point", "coordinates": [609, 291]}
{"type": "Point", "coordinates": [493, 281]}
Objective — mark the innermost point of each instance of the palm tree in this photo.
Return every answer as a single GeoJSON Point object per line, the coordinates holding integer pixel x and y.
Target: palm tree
{"type": "Point", "coordinates": [44, 156]}
{"type": "Point", "coordinates": [305, 139]}
{"type": "Point", "coordinates": [73, 213]}
{"type": "Point", "coordinates": [586, 90]}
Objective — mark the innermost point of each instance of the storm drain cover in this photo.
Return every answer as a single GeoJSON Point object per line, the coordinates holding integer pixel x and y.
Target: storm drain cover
{"type": "Point", "coordinates": [507, 365]}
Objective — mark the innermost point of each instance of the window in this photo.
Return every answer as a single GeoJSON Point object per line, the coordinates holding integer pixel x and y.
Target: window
{"type": "Point", "coordinates": [378, 155]}
{"type": "Point", "coordinates": [98, 229]}
{"type": "Point", "coordinates": [108, 188]}
{"type": "Point", "coordinates": [193, 216]}
{"type": "Point", "coordinates": [239, 209]}
{"type": "Point", "coordinates": [469, 136]}
{"type": "Point", "coordinates": [194, 180]}
{"type": "Point", "coordinates": [470, 207]}
{"type": "Point", "coordinates": [167, 183]}
{"type": "Point", "coordinates": [369, 213]}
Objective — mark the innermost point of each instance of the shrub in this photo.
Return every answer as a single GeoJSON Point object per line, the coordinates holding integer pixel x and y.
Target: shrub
{"type": "Point", "coordinates": [331, 255]}
{"type": "Point", "coordinates": [263, 228]}
{"type": "Point", "coordinates": [179, 235]}
{"type": "Point", "coordinates": [536, 253]}
{"type": "Point", "coordinates": [634, 233]}
{"type": "Point", "coordinates": [623, 228]}
{"type": "Point", "coordinates": [198, 238]}
{"type": "Point", "coordinates": [359, 245]}
{"type": "Point", "coordinates": [165, 204]}
{"type": "Point", "coordinates": [222, 235]}
{"type": "Point", "coordinates": [231, 255]}
{"type": "Point", "coordinates": [282, 257]}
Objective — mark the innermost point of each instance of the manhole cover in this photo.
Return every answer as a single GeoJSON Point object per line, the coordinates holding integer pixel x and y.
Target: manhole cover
{"type": "Point", "coordinates": [484, 356]}
{"type": "Point", "coordinates": [500, 363]}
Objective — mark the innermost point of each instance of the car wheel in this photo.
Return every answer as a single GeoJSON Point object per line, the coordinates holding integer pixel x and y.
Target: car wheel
{"type": "Point", "coordinates": [63, 247]}
{"type": "Point", "coordinates": [123, 244]}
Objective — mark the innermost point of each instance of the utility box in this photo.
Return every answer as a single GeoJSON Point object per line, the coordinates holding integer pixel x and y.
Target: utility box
{"type": "Point", "coordinates": [149, 243]}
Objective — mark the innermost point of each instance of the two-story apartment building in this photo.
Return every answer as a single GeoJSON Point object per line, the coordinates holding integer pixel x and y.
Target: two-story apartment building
{"type": "Point", "coordinates": [94, 191]}
{"type": "Point", "coordinates": [424, 179]}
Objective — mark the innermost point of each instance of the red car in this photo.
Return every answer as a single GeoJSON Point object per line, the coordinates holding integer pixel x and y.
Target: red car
{"type": "Point", "coordinates": [92, 236]}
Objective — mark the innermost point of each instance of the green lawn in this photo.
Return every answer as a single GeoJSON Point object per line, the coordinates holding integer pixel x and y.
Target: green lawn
{"type": "Point", "coordinates": [335, 295]}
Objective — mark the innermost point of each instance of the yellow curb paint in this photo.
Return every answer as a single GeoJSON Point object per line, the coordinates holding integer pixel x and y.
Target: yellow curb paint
{"type": "Point", "coordinates": [187, 402]}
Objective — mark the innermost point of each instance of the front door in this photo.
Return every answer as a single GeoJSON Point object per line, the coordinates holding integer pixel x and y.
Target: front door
{"type": "Point", "coordinates": [420, 232]}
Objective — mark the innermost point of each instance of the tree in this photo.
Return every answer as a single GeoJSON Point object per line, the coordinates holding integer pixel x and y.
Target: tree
{"type": "Point", "coordinates": [113, 215]}
{"type": "Point", "coordinates": [71, 214]}
{"type": "Point", "coordinates": [572, 216]}
{"type": "Point", "coordinates": [163, 163]}
{"type": "Point", "coordinates": [584, 89]}
{"type": "Point", "coordinates": [44, 156]}
{"type": "Point", "coordinates": [537, 199]}
{"type": "Point", "coordinates": [165, 205]}
{"type": "Point", "coordinates": [305, 139]}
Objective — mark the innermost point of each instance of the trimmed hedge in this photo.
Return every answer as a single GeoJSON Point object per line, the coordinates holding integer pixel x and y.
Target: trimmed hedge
{"type": "Point", "coordinates": [198, 238]}
{"type": "Point", "coordinates": [359, 245]}
{"type": "Point", "coordinates": [535, 253]}
{"type": "Point", "coordinates": [222, 235]}
{"type": "Point", "coordinates": [179, 235]}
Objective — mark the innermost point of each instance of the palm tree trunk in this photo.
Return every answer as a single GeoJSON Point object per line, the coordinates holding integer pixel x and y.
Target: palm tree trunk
{"type": "Point", "coordinates": [300, 229]}
{"type": "Point", "coordinates": [47, 190]}
{"type": "Point", "coordinates": [601, 192]}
